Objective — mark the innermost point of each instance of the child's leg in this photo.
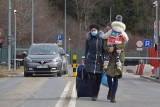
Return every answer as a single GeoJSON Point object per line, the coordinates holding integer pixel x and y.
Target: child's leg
{"type": "Point", "coordinates": [117, 55]}
{"type": "Point", "coordinates": [118, 62]}
{"type": "Point", "coordinates": [106, 61]}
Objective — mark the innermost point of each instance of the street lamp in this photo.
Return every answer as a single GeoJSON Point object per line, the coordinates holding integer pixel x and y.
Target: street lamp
{"type": "Point", "coordinates": [15, 29]}
{"type": "Point", "coordinates": [9, 36]}
{"type": "Point", "coordinates": [155, 4]}
{"type": "Point", "coordinates": [110, 16]}
{"type": "Point", "coordinates": [32, 40]}
{"type": "Point", "coordinates": [65, 27]}
{"type": "Point", "coordinates": [69, 50]}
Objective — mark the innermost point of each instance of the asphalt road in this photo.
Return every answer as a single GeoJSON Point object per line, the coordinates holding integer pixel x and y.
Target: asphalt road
{"type": "Point", "coordinates": [48, 91]}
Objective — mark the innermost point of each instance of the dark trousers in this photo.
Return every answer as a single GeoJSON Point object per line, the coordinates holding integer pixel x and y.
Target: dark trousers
{"type": "Point", "coordinates": [95, 80]}
{"type": "Point", "coordinates": [113, 84]}
{"type": "Point", "coordinates": [109, 55]}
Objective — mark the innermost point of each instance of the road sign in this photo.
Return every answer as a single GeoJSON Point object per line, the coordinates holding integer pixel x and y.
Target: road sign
{"type": "Point", "coordinates": [139, 49]}
{"type": "Point", "coordinates": [147, 43]}
{"type": "Point", "coordinates": [59, 37]}
{"type": "Point", "coordinates": [139, 44]}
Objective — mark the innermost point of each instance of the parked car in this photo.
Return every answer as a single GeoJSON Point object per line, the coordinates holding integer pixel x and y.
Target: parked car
{"type": "Point", "coordinates": [64, 60]}
{"type": "Point", "coordinates": [43, 58]}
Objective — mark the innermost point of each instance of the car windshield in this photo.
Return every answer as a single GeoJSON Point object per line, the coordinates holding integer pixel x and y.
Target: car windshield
{"type": "Point", "coordinates": [43, 50]}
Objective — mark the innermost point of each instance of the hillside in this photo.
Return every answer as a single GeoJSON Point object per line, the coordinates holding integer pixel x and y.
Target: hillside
{"type": "Point", "coordinates": [49, 20]}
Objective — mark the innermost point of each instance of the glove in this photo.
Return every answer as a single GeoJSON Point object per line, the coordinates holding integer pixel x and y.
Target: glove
{"type": "Point", "coordinates": [120, 76]}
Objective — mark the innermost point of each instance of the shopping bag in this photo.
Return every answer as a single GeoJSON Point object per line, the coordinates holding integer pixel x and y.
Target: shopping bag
{"type": "Point", "coordinates": [104, 79]}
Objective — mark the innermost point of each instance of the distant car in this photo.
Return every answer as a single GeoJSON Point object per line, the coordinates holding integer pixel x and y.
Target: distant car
{"type": "Point", "coordinates": [131, 62]}
{"type": "Point", "coordinates": [43, 58]}
{"type": "Point", "coordinates": [64, 60]}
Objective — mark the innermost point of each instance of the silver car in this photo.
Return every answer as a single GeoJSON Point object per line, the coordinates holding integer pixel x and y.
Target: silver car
{"type": "Point", "coordinates": [64, 60]}
{"type": "Point", "coordinates": [43, 58]}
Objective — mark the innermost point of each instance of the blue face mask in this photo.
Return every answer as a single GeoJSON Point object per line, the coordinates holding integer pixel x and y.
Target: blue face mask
{"type": "Point", "coordinates": [94, 33]}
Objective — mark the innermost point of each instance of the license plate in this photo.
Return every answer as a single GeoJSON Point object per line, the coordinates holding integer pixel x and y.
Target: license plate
{"type": "Point", "coordinates": [42, 66]}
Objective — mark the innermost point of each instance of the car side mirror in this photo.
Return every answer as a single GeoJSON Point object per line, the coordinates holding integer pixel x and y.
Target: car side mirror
{"type": "Point", "coordinates": [67, 55]}
{"type": "Point", "coordinates": [24, 54]}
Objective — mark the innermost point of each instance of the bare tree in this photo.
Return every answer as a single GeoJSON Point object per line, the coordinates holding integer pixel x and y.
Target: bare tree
{"type": "Point", "coordinates": [4, 19]}
{"type": "Point", "coordinates": [82, 9]}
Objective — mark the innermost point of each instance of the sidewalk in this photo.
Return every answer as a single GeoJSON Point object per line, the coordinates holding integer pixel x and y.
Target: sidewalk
{"type": "Point", "coordinates": [146, 75]}
{"type": "Point", "coordinates": [5, 73]}
{"type": "Point", "coordinates": [150, 78]}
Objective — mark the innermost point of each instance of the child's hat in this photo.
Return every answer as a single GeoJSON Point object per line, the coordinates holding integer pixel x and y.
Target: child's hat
{"type": "Point", "coordinates": [119, 18]}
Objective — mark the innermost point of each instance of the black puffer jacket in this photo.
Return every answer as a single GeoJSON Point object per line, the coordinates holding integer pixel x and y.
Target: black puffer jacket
{"type": "Point", "coordinates": [94, 53]}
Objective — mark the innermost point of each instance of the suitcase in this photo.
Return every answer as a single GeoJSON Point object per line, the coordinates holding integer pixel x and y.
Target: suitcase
{"type": "Point", "coordinates": [83, 84]}
{"type": "Point", "coordinates": [81, 72]}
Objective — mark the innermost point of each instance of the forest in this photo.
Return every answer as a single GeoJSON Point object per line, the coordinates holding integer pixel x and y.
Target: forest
{"type": "Point", "coordinates": [138, 15]}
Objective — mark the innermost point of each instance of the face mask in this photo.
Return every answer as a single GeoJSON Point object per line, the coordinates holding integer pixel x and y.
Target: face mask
{"type": "Point", "coordinates": [94, 33]}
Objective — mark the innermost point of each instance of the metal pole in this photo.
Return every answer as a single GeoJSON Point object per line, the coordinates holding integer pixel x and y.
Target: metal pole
{"type": "Point", "coordinates": [1, 58]}
{"type": "Point", "coordinates": [32, 22]}
{"type": "Point", "coordinates": [157, 33]}
{"type": "Point", "coordinates": [9, 36]}
{"type": "Point", "coordinates": [69, 50]}
{"type": "Point", "coordinates": [15, 29]}
{"type": "Point", "coordinates": [65, 29]}
{"type": "Point", "coordinates": [110, 14]}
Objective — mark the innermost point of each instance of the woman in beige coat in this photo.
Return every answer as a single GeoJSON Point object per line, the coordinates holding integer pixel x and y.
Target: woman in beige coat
{"type": "Point", "coordinates": [112, 72]}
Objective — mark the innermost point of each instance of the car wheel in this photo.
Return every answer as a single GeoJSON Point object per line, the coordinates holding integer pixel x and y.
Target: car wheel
{"type": "Point", "coordinates": [66, 72]}
{"type": "Point", "coordinates": [59, 74]}
{"type": "Point", "coordinates": [27, 74]}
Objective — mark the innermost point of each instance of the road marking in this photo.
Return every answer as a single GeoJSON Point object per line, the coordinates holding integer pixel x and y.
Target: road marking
{"type": "Point", "coordinates": [72, 102]}
{"type": "Point", "coordinates": [64, 94]}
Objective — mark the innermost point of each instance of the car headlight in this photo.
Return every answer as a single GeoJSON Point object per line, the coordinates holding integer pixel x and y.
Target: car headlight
{"type": "Point", "coordinates": [56, 60]}
{"type": "Point", "coordinates": [27, 59]}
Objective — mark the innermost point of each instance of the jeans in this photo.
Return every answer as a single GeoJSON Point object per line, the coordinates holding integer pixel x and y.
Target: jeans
{"type": "Point", "coordinates": [113, 84]}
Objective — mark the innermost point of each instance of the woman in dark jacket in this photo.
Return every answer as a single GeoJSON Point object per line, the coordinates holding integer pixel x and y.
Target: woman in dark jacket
{"type": "Point", "coordinates": [94, 58]}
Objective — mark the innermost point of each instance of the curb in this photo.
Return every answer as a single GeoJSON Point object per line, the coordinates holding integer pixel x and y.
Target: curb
{"type": "Point", "coordinates": [9, 75]}
{"type": "Point", "coordinates": [150, 78]}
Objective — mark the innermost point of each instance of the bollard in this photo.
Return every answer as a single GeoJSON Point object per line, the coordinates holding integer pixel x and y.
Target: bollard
{"type": "Point", "coordinates": [140, 68]}
{"type": "Point", "coordinates": [137, 70]}
{"type": "Point", "coordinates": [74, 65]}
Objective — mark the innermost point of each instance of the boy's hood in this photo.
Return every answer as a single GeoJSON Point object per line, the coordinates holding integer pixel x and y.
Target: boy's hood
{"type": "Point", "coordinates": [118, 26]}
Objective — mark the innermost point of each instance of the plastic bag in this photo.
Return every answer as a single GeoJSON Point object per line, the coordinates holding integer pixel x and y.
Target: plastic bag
{"type": "Point", "coordinates": [104, 79]}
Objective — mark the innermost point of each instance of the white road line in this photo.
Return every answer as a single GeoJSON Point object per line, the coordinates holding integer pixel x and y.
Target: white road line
{"type": "Point", "coordinates": [64, 94]}
{"type": "Point", "coordinates": [72, 102]}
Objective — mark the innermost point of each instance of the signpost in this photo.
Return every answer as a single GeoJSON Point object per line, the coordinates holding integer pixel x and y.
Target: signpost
{"type": "Point", "coordinates": [59, 39]}
{"type": "Point", "coordinates": [147, 43]}
{"type": "Point", "coordinates": [139, 45]}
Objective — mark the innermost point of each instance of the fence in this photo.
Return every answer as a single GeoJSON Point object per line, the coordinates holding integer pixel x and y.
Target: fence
{"type": "Point", "coordinates": [4, 52]}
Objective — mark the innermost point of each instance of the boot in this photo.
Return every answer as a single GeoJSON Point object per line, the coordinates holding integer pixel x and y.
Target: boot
{"type": "Point", "coordinates": [109, 95]}
{"type": "Point", "coordinates": [113, 99]}
{"type": "Point", "coordinates": [105, 65]}
{"type": "Point", "coordinates": [119, 67]}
